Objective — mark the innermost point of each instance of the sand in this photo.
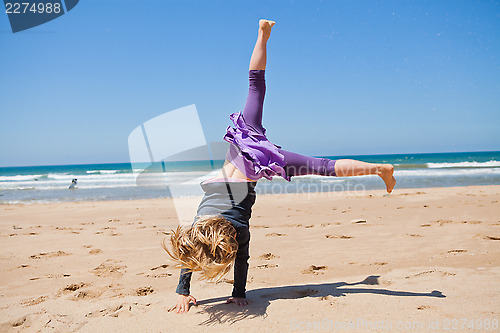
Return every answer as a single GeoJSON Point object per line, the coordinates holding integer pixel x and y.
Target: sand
{"type": "Point", "coordinates": [420, 260]}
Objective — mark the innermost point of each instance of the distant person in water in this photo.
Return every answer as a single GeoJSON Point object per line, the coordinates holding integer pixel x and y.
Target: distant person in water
{"type": "Point", "coordinates": [73, 184]}
{"type": "Point", "coordinates": [220, 232]}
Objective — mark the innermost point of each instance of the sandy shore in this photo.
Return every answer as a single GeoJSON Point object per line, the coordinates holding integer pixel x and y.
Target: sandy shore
{"type": "Point", "coordinates": [416, 260]}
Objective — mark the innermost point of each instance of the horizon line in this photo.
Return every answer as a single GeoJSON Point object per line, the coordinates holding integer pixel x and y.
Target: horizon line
{"type": "Point", "coordinates": [320, 156]}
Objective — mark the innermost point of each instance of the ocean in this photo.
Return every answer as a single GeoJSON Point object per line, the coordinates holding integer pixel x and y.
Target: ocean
{"type": "Point", "coordinates": [118, 181]}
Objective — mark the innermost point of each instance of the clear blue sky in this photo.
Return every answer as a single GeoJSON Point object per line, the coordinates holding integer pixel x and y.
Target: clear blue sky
{"type": "Point", "coordinates": [344, 77]}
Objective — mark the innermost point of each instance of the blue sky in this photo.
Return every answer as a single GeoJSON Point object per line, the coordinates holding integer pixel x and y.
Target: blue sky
{"type": "Point", "coordinates": [344, 77]}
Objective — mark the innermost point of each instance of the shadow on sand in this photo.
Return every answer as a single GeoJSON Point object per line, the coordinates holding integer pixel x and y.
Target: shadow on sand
{"type": "Point", "coordinates": [260, 299]}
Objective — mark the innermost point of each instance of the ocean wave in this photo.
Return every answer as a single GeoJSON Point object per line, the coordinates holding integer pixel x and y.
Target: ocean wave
{"type": "Point", "coordinates": [103, 172]}
{"type": "Point", "coordinates": [18, 178]}
{"type": "Point", "coordinates": [489, 164]}
{"type": "Point", "coordinates": [61, 176]}
{"type": "Point", "coordinates": [442, 172]}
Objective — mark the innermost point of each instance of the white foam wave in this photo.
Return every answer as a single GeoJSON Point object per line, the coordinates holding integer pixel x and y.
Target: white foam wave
{"type": "Point", "coordinates": [449, 172]}
{"type": "Point", "coordinates": [105, 172]}
{"type": "Point", "coordinates": [489, 164]}
{"type": "Point", "coordinates": [19, 178]}
{"type": "Point", "coordinates": [60, 176]}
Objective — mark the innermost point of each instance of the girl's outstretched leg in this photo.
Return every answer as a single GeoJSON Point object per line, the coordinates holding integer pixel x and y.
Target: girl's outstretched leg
{"type": "Point", "coordinates": [259, 54]}
{"type": "Point", "coordinates": [299, 165]}
{"type": "Point", "coordinates": [252, 113]}
{"type": "Point", "coordinates": [348, 168]}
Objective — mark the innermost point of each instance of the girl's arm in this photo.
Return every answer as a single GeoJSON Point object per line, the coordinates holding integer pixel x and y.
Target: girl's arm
{"type": "Point", "coordinates": [241, 268]}
{"type": "Point", "coordinates": [184, 298]}
{"type": "Point", "coordinates": [184, 282]}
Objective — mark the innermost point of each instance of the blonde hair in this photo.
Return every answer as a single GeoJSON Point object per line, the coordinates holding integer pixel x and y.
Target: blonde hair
{"type": "Point", "coordinates": [209, 246]}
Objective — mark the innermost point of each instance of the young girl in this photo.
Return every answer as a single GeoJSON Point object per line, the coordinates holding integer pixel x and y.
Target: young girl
{"type": "Point", "coordinates": [220, 233]}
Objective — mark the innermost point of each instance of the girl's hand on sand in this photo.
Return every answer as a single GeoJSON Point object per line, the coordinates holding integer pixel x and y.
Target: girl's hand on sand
{"type": "Point", "coordinates": [237, 300]}
{"type": "Point", "coordinates": [183, 305]}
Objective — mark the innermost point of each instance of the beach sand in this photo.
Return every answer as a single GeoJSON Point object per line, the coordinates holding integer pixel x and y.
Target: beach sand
{"type": "Point", "coordinates": [419, 260]}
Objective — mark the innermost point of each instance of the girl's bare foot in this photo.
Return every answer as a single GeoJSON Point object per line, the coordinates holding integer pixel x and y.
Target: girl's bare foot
{"type": "Point", "coordinates": [265, 26]}
{"type": "Point", "coordinates": [238, 301]}
{"type": "Point", "coordinates": [386, 171]}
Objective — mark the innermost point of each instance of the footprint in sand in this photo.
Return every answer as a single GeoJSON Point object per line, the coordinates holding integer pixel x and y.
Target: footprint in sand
{"type": "Point", "coordinates": [457, 251]}
{"type": "Point", "coordinates": [121, 309]}
{"type": "Point", "coordinates": [263, 266]}
{"type": "Point", "coordinates": [34, 301]}
{"type": "Point", "coordinates": [442, 273]}
{"type": "Point", "coordinates": [276, 234]}
{"type": "Point", "coordinates": [85, 292]}
{"type": "Point", "coordinates": [86, 295]}
{"type": "Point", "coordinates": [110, 231]}
{"type": "Point", "coordinates": [381, 263]}
{"type": "Point", "coordinates": [313, 269]}
{"type": "Point", "coordinates": [330, 299]}
{"type": "Point", "coordinates": [74, 286]}
{"type": "Point", "coordinates": [267, 256]}
{"type": "Point", "coordinates": [87, 223]}
{"type": "Point", "coordinates": [339, 236]}
{"type": "Point", "coordinates": [157, 275]}
{"type": "Point", "coordinates": [442, 222]}
{"type": "Point", "coordinates": [21, 322]}
{"type": "Point", "coordinates": [70, 288]}
{"type": "Point", "coordinates": [491, 237]}
{"type": "Point", "coordinates": [95, 251]}
{"type": "Point", "coordinates": [49, 255]}
{"type": "Point", "coordinates": [423, 307]}
{"type": "Point", "coordinates": [473, 222]}
{"type": "Point", "coordinates": [109, 268]}
{"type": "Point", "coordinates": [259, 226]}
{"type": "Point", "coordinates": [143, 291]}
{"type": "Point", "coordinates": [329, 223]}
{"type": "Point", "coordinates": [51, 276]}
{"type": "Point", "coordinates": [421, 273]}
